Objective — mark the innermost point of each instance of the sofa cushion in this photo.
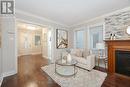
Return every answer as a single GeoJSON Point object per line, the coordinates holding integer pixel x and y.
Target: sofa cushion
{"type": "Point", "coordinates": [86, 53]}
{"type": "Point", "coordinates": [77, 52]}
{"type": "Point", "coordinates": [73, 52]}
{"type": "Point", "coordinates": [79, 59]}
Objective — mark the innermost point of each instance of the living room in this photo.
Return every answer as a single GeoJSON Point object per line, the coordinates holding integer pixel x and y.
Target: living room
{"type": "Point", "coordinates": [85, 47]}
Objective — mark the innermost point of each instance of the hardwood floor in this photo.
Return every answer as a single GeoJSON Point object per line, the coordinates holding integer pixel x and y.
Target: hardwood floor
{"type": "Point", "coordinates": [30, 75]}
{"type": "Point", "coordinates": [115, 80]}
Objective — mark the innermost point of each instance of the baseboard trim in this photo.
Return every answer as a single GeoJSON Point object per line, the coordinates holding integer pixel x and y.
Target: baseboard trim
{"type": "Point", "coordinates": [5, 75]}
{"type": "Point", "coordinates": [9, 73]}
{"type": "Point", "coordinates": [30, 54]}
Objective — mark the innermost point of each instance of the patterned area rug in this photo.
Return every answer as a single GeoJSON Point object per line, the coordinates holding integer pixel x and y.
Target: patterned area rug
{"type": "Point", "coordinates": [83, 77]}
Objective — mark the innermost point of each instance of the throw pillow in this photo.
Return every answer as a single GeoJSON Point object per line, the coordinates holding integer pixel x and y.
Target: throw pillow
{"type": "Point", "coordinates": [73, 51]}
{"type": "Point", "coordinates": [79, 53]}
{"type": "Point", "coordinates": [86, 53]}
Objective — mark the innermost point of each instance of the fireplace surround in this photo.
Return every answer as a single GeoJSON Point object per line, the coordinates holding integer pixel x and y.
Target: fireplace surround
{"type": "Point", "coordinates": [113, 46]}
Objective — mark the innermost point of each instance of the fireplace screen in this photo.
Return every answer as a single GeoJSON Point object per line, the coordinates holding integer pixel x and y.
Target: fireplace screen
{"type": "Point", "coordinates": [122, 62]}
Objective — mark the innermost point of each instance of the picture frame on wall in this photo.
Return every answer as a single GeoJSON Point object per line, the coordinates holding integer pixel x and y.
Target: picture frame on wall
{"type": "Point", "coordinates": [61, 39]}
{"type": "Point", "coordinates": [37, 40]}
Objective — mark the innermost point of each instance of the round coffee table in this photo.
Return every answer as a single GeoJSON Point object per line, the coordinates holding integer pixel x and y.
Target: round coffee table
{"type": "Point", "coordinates": [66, 69]}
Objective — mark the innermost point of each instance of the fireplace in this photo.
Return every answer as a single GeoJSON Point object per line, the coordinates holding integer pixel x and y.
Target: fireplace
{"type": "Point", "coordinates": [122, 63]}
{"type": "Point", "coordinates": [118, 56]}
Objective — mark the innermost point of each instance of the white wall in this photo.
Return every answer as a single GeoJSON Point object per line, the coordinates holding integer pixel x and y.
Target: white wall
{"type": "Point", "coordinates": [45, 44]}
{"type": "Point", "coordinates": [0, 55]}
{"type": "Point", "coordinates": [9, 51]}
{"type": "Point", "coordinates": [0, 67]}
{"type": "Point", "coordinates": [71, 37]}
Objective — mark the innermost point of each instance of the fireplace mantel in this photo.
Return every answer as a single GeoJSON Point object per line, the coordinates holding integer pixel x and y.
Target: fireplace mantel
{"type": "Point", "coordinates": [112, 46]}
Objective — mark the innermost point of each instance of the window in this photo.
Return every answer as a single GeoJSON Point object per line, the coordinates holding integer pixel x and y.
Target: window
{"type": "Point", "coordinates": [79, 39]}
{"type": "Point", "coordinates": [96, 36]}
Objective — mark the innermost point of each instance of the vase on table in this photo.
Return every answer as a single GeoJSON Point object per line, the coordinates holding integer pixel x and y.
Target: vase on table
{"type": "Point", "coordinates": [69, 59]}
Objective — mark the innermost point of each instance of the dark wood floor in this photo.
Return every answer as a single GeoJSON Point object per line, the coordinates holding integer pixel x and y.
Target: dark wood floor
{"type": "Point", "coordinates": [30, 75]}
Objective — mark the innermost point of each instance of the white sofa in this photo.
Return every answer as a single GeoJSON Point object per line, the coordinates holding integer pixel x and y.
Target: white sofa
{"type": "Point", "coordinates": [85, 58]}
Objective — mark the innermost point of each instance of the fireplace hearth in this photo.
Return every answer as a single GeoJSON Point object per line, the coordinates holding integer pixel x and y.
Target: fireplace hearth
{"type": "Point", "coordinates": [122, 63]}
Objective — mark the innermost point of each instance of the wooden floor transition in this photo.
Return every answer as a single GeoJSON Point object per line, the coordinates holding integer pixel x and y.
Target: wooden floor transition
{"type": "Point", "coordinates": [31, 75]}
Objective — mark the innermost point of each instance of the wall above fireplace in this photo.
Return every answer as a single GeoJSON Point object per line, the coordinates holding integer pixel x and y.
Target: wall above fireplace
{"type": "Point", "coordinates": [117, 24]}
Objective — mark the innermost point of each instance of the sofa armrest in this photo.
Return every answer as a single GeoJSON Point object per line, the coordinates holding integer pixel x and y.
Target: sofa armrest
{"type": "Point", "coordinates": [91, 59]}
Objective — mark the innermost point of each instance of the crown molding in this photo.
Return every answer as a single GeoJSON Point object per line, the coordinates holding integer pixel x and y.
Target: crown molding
{"type": "Point", "coordinates": [84, 23]}
{"type": "Point", "coordinates": [100, 17]}
{"type": "Point", "coordinates": [39, 17]}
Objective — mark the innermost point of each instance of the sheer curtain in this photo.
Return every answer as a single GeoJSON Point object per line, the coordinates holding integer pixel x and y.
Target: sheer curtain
{"type": "Point", "coordinates": [96, 36]}
{"type": "Point", "coordinates": [80, 39]}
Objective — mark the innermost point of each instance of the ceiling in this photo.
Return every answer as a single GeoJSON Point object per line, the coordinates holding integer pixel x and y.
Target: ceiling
{"type": "Point", "coordinates": [70, 12]}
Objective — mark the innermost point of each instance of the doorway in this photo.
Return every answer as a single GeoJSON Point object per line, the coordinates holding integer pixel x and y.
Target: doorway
{"type": "Point", "coordinates": [33, 40]}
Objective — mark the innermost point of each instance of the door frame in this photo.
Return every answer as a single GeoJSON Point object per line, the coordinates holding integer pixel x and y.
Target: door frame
{"type": "Point", "coordinates": [33, 23]}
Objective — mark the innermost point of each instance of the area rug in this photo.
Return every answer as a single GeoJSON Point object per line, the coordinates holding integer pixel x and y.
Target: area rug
{"type": "Point", "coordinates": [83, 77]}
